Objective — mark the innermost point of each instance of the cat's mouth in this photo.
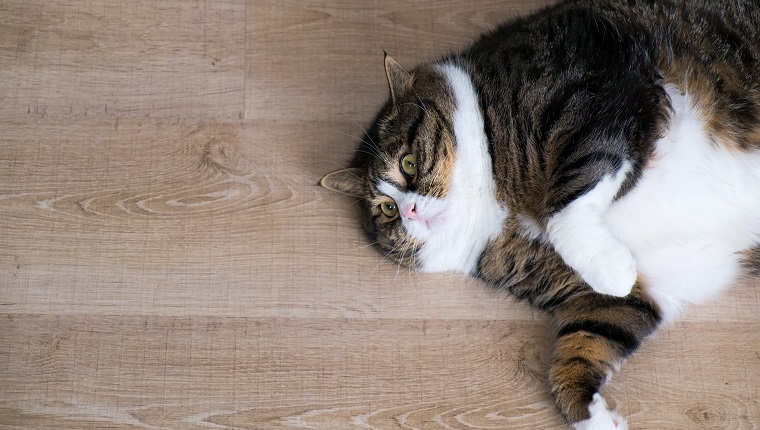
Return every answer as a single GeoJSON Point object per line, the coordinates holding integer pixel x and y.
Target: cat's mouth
{"type": "Point", "coordinates": [412, 213]}
{"type": "Point", "coordinates": [422, 222]}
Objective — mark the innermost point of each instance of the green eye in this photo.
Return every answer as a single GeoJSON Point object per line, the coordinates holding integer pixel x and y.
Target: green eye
{"type": "Point", "coordinates": [409, 165]}
{"type": "Point", "coordinates": [389, 209]}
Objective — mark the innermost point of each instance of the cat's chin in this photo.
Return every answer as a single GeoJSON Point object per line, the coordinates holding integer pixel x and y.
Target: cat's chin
{"type": "Point", "coordinates": [421, 229]}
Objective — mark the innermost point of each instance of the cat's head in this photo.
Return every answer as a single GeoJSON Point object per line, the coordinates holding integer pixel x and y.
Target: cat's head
{"type": "Point", "coordinates": [420, 190]}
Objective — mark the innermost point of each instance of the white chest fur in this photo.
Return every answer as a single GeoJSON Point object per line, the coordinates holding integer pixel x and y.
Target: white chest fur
{"type": "Point", "coordinates": [695, 207]}
{"type": "Point", "coordinates": [472, 215]}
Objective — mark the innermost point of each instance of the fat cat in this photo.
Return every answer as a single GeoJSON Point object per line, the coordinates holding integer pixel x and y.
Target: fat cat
{"type": "Point", "coordinates": [599, 159]}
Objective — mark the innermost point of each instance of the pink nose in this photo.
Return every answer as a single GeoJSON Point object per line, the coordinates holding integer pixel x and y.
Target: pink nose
{"type": "Point", "coordinates": [409, 211]}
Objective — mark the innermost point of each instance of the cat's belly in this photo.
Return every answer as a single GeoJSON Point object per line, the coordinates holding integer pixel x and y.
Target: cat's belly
{"type": "Point", "coordinates": [696, 206]}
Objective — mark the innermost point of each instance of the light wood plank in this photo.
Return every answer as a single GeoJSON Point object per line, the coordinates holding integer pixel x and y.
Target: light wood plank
{"type": "Point", "coordinates": [185, 372]}
{"type": "Point", "coordinates": [323, 60]}
{"type": "Point", "coordinates": [118, 58]}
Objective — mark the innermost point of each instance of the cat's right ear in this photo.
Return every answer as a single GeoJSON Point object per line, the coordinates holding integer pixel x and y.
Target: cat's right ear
{"type": "Point", "coordinates": [347, 181]}
{"type": "Point", "coordinates": [399, 80]}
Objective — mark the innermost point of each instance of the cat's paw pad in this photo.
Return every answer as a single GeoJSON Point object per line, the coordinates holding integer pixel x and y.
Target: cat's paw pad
{"type": "Point", "coordinates": [601, 417]}
{"type": "Point", "coordinates": [611, 270]}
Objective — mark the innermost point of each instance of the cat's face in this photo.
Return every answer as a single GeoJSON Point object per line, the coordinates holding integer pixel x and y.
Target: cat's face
{"type": "Point", "coordinates": [408, 180]}
{"type": "Point", "coordinates": [417, 199]}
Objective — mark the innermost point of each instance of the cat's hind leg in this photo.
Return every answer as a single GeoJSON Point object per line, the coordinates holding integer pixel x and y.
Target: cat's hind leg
{"type": "Point", "coordinates": [596, 333]}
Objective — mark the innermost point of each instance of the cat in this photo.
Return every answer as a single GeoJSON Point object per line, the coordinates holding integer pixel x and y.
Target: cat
{"type": "Point", "coordinates": [599, 159]}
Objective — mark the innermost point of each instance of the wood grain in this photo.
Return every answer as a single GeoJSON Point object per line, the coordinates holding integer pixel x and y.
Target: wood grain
{"type": "Point", "coordinates": [168, 261]}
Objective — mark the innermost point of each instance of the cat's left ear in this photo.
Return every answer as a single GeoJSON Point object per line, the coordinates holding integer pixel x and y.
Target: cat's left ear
{"type": "Point", "coordinates": [399, 79]}
{"type": "Point", "coordinates": [347, 181]}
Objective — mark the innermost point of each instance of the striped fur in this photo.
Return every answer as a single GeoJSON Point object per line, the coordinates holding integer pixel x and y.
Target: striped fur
{"type": "Point", "coordinates": [751, 262]}
{"type": "Point", "coordinates": [636, 123]}
{"type": "Point", "coordinates": [595, 332]}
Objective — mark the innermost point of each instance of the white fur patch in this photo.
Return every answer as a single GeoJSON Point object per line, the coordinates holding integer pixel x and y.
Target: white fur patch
{"type": "Point", "coordinates": [601, 417]}
{"type": "Point", "coordinates": [587, 244]}
{"type": "Point", "coordinates": [696, 206]}
{"type": "Point", "coordinates": [471, 216]}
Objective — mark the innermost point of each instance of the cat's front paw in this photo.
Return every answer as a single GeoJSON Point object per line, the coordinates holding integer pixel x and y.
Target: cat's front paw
{"type": "Point", "coordinates": [601, 417]}
{"type": "Point", "coordinates": [611, 270]}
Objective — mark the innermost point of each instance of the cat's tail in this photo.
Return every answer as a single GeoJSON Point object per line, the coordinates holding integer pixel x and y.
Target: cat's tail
{"type": "Point", "coordinates": [595, 334]}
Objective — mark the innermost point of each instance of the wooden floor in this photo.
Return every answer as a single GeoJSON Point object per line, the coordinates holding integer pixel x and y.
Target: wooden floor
{"type": "Point", "coordinates": [167, 260]}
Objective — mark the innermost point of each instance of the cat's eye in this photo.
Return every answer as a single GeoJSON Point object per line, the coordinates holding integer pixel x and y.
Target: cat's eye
{"type": "Point", "coordinates": [389, 209]}
{"type": "Point", "coordinates": [409, 165]}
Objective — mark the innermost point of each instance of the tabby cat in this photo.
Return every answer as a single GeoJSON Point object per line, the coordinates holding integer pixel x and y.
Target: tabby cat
{"type": "Point", "coordinates": [599, 159]}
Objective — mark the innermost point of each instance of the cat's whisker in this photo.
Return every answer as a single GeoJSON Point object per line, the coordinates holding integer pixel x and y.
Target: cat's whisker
{"type": "Point", "coordinates": [352, 137]}
{"type": "Point", "coordinates": [340, 166]}
{"type": "Point", "coordinates": [374, 144]}
{"type": "Point", "coordinates": [356, 199]}
{"type": "Point", "coordinates": [417, 272]}
{"type": "Point", "coordinates": [368, 245]}
{"type": "Point", "coordinates": [383, 259]}
{"type": "Point", "coordinates": [408, 245]}
{"type": "Point", "coordinates": [424, 108]}
{"type": "Point", "coordinates": [401, 259]}
{"type": "Point", "coordinates": [379, 263]}
{"type": "Point", "coordinates": [421, 107]}
{"type": "Point", "coordinates": [373, 154]}
{"type": "Point", "coordinates": [412, 269]}
{"type": "Point", "coordinates": [417, 275]}
{"type": "Point", "coordinates": [356, 202]}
